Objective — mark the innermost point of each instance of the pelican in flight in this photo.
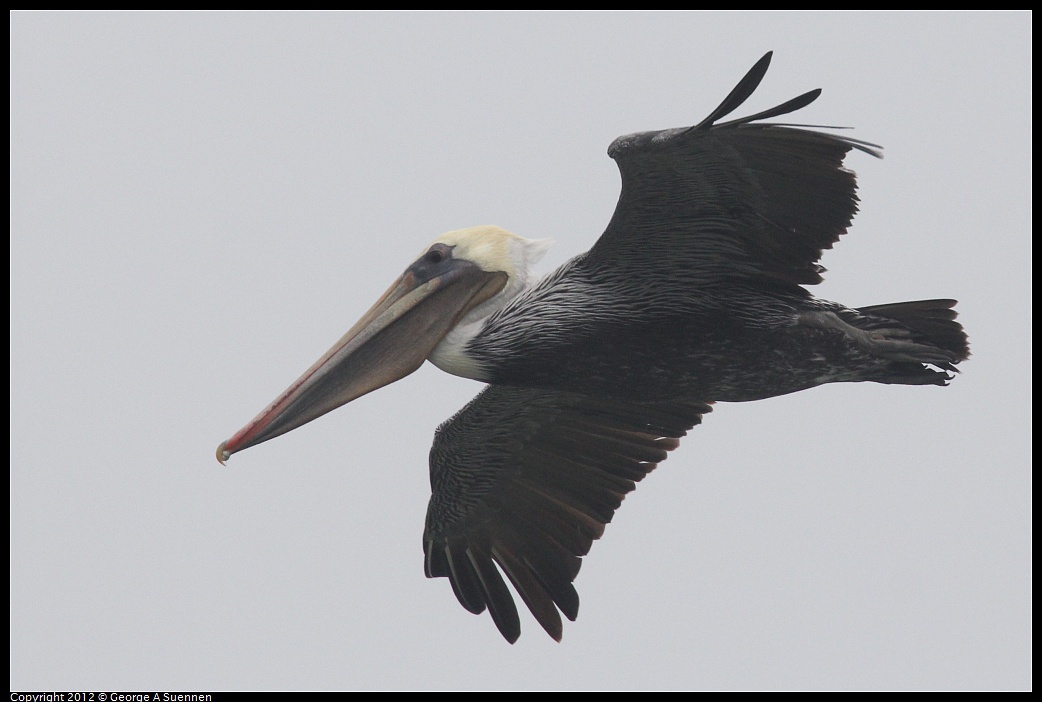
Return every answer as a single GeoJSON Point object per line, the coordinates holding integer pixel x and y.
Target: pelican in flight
{"type": "Point", "coordinates": [694, 294]}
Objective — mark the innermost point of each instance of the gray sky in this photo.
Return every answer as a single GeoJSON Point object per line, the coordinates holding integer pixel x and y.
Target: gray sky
{"type": "Point", "coordinates": [202, 203]}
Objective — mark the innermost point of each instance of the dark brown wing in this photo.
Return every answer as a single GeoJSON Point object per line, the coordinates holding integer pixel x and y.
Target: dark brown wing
{"type": "Point", "coordinates": [742, 199]}
{"type": "Point", "coordinates": [527, 479]}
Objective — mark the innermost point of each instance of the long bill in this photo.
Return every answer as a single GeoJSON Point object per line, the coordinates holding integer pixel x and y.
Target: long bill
{"type": "Point", "coordinates": [388, 343]}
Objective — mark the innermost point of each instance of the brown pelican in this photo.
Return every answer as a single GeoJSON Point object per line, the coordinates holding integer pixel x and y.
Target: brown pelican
{"type": "Point", "coordinates": [694, 294]}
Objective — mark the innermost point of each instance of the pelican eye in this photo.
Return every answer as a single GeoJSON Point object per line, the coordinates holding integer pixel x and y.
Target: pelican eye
{"type": "Point", "coordinates": [435, 255]}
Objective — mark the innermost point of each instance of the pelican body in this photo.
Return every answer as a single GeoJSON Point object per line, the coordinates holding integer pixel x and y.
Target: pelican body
{"type": "Point", "coordinates": [694, 294]}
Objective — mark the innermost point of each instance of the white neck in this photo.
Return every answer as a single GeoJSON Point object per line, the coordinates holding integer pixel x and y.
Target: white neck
{"type": "Point", "coordinates": [492, 249]}
{"type": "Point", "coordinates": [450, 354]}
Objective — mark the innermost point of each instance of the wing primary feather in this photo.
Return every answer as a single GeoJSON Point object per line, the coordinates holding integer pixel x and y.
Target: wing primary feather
{"type": "Point", "coordinates": [435, 564]}
{"type": "Point", "coordinates": [497, 596]}
{"type": "Point", "coordinates": [796, 103]}
{"type": "Point", "coordinates": [561, 589]}
{"type": "Point", "coordinates": [554, 571]}
{"type": "Point", "coordinates": [860, 144]}
{"type": "Point", "coordinates": [532, 590]}
{"type": "Point", "coordinates": [739, 94]}
{"type": "Point", "coordinates": [465, 582]}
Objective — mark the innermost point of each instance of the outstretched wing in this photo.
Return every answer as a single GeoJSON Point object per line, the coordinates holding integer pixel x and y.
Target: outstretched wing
{"type": "Point", "coordinates": [526, 479]}
{"type": "Point", "coordinates": [741, 199]}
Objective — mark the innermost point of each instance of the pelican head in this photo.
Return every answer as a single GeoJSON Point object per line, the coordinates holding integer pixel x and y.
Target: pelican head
{"type": "Point", "coordinates": [439, 302]}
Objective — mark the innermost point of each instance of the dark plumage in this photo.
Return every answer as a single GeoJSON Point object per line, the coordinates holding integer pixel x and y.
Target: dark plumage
{"type": "Point", "coordinates": [694, 294]}
{"type": "Point", "coordinates": [528, 478]}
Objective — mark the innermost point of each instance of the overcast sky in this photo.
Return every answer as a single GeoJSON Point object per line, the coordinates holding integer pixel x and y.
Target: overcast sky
{"type": "Point", "coordinates": [202, 203]}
